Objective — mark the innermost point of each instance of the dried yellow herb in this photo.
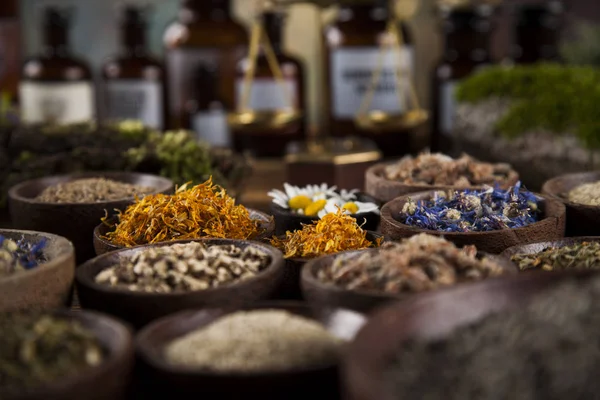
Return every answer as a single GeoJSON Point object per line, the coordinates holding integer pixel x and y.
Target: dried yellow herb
{"type": "Point", "coordinates": [333, 233]}
{"type": "Point", "coordinates": [204, 210]}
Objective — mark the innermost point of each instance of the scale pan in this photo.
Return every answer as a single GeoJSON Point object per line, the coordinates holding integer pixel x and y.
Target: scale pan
{"type": "Point", "coordinates": [379, 121]}
{"type": "Point", "coordinates": [254, 120]}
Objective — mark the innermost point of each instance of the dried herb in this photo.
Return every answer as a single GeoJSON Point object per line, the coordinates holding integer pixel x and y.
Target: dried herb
{"type": "Point", "coordinates": [20, 256]}
{"type": "Point", "coordinates": [256, 341]}
{"type": "Point", "coordinates": [546, 349]}
{"type": "Point", "coordinates": [333, 233]}
{"type": "Point", "coordinates": [473, 210]}
{"type": "Point", "coordinates": [42, 349]}
{"type": "Point", "coordinates": [583, 255]}
{"type": "Point", "coordinates": [587, 194]}
{"type": "Point", "coordinates": [203, 210]}
{"type": "Point", "coordinates": [184, 267]}
{"type": "Point", "coordinates": [422, 262]}
{"type": "Point", "coordinates": [442, 170]}
{"type": "Point", "coordinates": [91, 190]}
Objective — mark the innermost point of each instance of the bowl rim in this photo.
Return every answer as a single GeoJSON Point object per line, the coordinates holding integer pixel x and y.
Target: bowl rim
{"type": "Point", "coordinates": [309, 269]}
{"type": "Point", "coordinates": [375, 172]}
{"type": "Point", "coordinates": [269, 272]}
{"type": "Point", "coordinates": [162, 185]}
{"type": "Point", "coordinates": [386, 215]}
{"type": "Point", "coordinates": [268, 224]}
{"type": "Point", "coordinates": [123, 347]}
{"type": "Point", "coordinates": [56, 262]}
{"type": "Point", "coordinates": [160, 363]}
{"type": "Point", "coordinates": [569, 178]}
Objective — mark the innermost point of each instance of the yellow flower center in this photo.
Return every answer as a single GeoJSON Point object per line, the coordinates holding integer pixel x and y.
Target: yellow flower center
{"type": "Point", "coordinates": [313, 208]}
{"type": "Point", "coordinates": [351, 207]}
{"type": "Point", "coordinates": [299, 202]}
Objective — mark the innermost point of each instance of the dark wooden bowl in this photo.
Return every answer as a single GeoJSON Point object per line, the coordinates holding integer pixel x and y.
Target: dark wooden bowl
{"type": "Point", "coordinates": [322, 294]}
{"type": "Point", "coordinates": [430, 316]}
{"type": "Point", "coordinates": [550, 227]}
{"type": "Point", "coordinates": [378, 186]}
{"type": "Point", "coordinates": [103, 246]}
{"type": "Point", "coordinates": [110, 379]}
{"type": "Point", "coordinates": [183, 383]}
{"type": "Point", "coordinates": [76, 222]}
{"type": "Point", "coordinates": [141, 308]}
{"type": "Point", "coordinates": [46, 287]}
{"type": "Point", "coordinates": [582, 220]}
{"type": "Point", "coordinates": [290, 288]}
{"type": "Point", "coordinates": [285, 220]}
{"type": "Point", "coordinates": [533, 248]}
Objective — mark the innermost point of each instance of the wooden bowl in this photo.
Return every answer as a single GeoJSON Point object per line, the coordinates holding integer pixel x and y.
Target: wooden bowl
{"type": "Point", "coordinates": [75, 221]}
{"type": "Point", "coordinates": [378, 186]}
{"type": "Point", "coordinates": [286, 220]}
{"type": "Point", "coordinates": [103, 246]}
{"type": "Point", "coordinates": [534, 248]}
{"type": "Point", "coordinates": [140, 308]}
{"type": "Point", "coordinates": [430, 316]}
{"type": "Point", "coordinates": [49, 285]}
{"type": "Point", "coordinates": [582, 220]}
{"type": "Point", "coordinates": [290, 288]}
{"type": "Point", "coordinates": [110, 379]}
{"type": "Point", "coordinates": [550, 227]}
{"type": "Point", "coordinates": [322, 294]}
{"type": "Point", "coordinates": [182, 383]}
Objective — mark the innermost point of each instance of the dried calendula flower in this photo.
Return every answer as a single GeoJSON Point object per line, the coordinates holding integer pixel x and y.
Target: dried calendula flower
{"type": "Point", "coordinates": [204, 210]}
{"type": "Point", "coordinates": [331, 234]}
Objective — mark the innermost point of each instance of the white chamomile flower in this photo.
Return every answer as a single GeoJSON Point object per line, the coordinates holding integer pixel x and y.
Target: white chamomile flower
{"type": "Point", "coordinates": [294, 197]}
{"type": "Point", "coordinates": [351, 207]}
{"type": "Point", "coordinates": [348, 195]}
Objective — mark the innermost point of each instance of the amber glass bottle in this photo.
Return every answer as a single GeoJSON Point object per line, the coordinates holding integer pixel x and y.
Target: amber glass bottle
{"type": "Point", "coordinates": [10, 46]}
{"type": "Point", "coordinates": [467, 33]}
{"type": "Point", "coordinates": [134, 82]}
{"type": "Point", "coordinates": [352, 50]}
{"type": "Point", "coordinates": [537, 32]}
{"type": "Point", "coordinates": [206, 114]}
{"type": "Point", "coordinates": [56, 87]}
{"type": "Point", "coordinates": [268, 94]}
{"type": "Point", "coordinates": [205, 33]}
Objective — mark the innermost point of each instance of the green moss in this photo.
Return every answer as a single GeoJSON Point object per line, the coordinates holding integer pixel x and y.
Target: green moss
{"type": "Point", "coordinates": [552, 97]}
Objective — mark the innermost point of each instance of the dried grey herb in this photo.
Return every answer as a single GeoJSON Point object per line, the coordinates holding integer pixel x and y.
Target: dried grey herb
{"type": "Point", "coordinates": [92, 190]}
{"type": "Point", "coordinates": [184, 267]}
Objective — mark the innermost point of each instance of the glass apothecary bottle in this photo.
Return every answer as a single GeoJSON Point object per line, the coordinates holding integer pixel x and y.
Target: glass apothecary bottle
{"type": "Point", "coordinates": [10, 51]}
{"type": "Point", "coordinates": [134, 81]}
{"type": "Point", "coordinates": [467, 34]}
{"type": "Point", "coordinates": [270, 95]}
{"type": "Point", "coordinates": [537, 32]}
{"type": "Point", "coordinates": [56, 87]}
{"type": "Point", "coordinates": [352, 47]}
{"type": "Point", "coordinates": [205, 33]}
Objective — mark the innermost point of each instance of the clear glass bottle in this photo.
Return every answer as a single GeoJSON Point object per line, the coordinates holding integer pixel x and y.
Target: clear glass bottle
{"type": "Point", "coordinates": [268, 94]}
{"type": "Point", "coordinates": [10, 50]}
{"type": "Point", "coordinates": [134, 81]}
{"type": "Point", "coordinates": [467, 35]}
{"type": "Point", "coordinates": [352, 47]}
{"type": "Point", "coordinates": [56, 87]}
{"type": "Point", "coordinates": [537, 32]}
{"type": "Point", "coordinates": [205, 33]}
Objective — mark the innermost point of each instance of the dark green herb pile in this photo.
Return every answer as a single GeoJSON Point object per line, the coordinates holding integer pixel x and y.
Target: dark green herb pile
{"type": "Point", "coordinates": [36, 349]}
{"type": "Point", "coordinates": [584, 255]}
{"type": "Point", "coordinates": [548, 350]}
{"type": "Point", "coordinates": [35, 151]}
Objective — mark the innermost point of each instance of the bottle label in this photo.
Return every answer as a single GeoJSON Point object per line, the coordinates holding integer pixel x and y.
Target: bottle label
{"type": "Point", "coordinates": [58, 103]}
{"type": "Point", "coordinates": [352, 72]}
{"type": "Point", "coordinates": [447, 107]}
{"type": "Point", "coordinates": [135, 99]}
{"type": "Point", "coordinates": [212, 127]}
{"type": "Point", "coordinates": [268, 94]}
